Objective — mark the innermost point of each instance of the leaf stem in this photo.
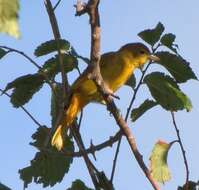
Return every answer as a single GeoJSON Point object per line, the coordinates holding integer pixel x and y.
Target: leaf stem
{"type": "Point", "coordinates": [25, 110]}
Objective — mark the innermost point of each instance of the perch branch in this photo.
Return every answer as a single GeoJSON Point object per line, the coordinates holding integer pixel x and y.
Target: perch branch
{"type": "Point", "coordinates": [93, 72]}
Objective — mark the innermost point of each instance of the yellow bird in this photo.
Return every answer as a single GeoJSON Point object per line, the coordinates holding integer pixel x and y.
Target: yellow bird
{"type": "Point", "coordinates": [116, 68]}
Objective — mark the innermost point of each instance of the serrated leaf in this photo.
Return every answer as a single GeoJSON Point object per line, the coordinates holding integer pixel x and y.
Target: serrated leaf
{"type": "Point", "coordinates": [131, 81]}
{"type": "Point", "coordinates": [52, 67]}
{"type": "Point", "coordinates": [78, 185]}
{"type": "Point", "coordinates": [168, 41]}
{"type": "Point", "coordinates": [9, 17]}
{"type": "Point", "coordinates": [191, 186]}
{"type": "Point", "coordinates": [152, 36]}
{"type": "Point", "coordinates": [56, 100]}
{"type": "Point", "coordinates": [24, 88]}
{"type": "Point", "coordinates": [166, 92]}
{"type": "Point", "coordinates": [51, 46]}
{"type": "Point", "coordinates": [145, 106]}
{"type": "Point", "coordinates": [4, 187]}
{"type": "Point", "coordinates": [48, 167]}
{"type": "Point", "coordinates": [177, 66]}
{"type": "Point", "coordinates": [158, 162]}
{"type": "Point", "coordinates": [2, 53]}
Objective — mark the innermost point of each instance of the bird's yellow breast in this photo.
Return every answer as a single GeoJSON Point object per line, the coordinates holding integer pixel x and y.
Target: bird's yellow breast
{"type": "Point", "coordinates": [115, 68]}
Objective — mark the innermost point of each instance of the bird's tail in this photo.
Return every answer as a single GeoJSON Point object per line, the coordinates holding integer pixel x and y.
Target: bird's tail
{"type": "Point", "coordinates": [77, 102]}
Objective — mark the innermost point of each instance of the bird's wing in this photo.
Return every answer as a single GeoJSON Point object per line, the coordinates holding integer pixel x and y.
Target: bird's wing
{"type": "Point", "coordinates": [87, 86]}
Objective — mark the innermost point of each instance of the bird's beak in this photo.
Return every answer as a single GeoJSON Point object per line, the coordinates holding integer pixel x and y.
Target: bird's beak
{"type": "Point", "coordinates": [153, 57]}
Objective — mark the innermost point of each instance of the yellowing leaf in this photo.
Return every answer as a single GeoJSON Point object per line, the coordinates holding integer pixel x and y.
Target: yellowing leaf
{"type": "Point", "coordinates": [159, 168]}
{"type": "Point", "coordinates": [9, 17]}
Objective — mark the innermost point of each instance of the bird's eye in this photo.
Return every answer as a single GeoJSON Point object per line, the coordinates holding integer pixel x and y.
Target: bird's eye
{"type": "Point", "coordinates": [142, 52]}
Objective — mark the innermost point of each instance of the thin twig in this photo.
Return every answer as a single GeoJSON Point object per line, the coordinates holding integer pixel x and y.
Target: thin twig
{"type": "Point", "coordinates": [182, 149]}
{"type": "Point", "coordinates": [126, 118]}
{"type": "Point", "coordinates": [23, 54]}
{"type": "Point", "coordinates": [92, 149]}
{"type": "Point", "coordinates": [25, 110]}
{"type": "Point", "coordinates": [48, 81]}
{"type": "Point", "coordinates": [80, 119]}
{"type": "Point", "coordinates": [57, 4]}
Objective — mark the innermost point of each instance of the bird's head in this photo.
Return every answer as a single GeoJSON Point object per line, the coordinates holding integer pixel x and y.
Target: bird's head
{"type": "Point", "coordinates": [140, 53]}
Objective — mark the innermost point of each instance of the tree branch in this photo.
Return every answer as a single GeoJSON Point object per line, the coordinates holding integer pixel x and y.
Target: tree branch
{"type": "Point", "coordinates": [65, 89]}
{"type": "Point", "coordinates": [57, 4]}
{"type": "Point", "coordinates": [57, 36]}
{"type": "Point", "coordinates": [183, 151]}
{"type": "Point", "coordinates": [94, 73]}
{"type": "Point", "coordinates": [65, 84]}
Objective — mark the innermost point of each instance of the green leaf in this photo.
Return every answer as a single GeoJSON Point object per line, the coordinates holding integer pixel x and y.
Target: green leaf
{"type": "Point", "coordinates": [51, 46]}
{"type": "Point", "coordinates": [52, 67]}
{"type": "Point", "coordinates": [177, 66]}
{"type": "Point", "coordinates": [158, 159]}
{"type": "Point", "coordinates": [152, 36]}
{"type": "Point", "coordinates": [131, 81]}
{"type": "Point", "coordinates": [9, 17]}
{"type": "Point", "coordinates": [3, 187]}
{"type": "Point", "coordinates": [78, 185]}
{"type": "Point", "coordinates": [191, 186]}
{"type": "Point", "coordinates": [166, 92]}
{"type": "Point", "coordinates": [48, 166]}
{"type": "Point", "coordinates": [2, 53]}
{"type": "Point", "coordinates": [56, 100]}
{"type": "Point", "coordinates": [145, 106]}
{"type": "Point", "coordinates": [168, 41]}
{"type": "Point", "coordinates": [24, 88]}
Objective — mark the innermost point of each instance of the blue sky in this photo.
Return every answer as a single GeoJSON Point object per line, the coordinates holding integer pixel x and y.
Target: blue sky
{"type": "Point", "coordinates": [120, 22]}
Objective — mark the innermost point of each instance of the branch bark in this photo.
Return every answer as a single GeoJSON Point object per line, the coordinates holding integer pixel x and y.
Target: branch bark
{"type": "Point", "coordinates": [94, 73]}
